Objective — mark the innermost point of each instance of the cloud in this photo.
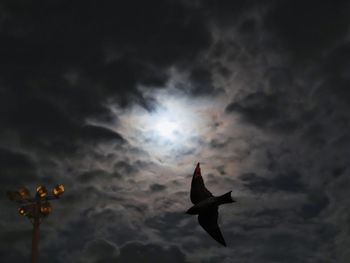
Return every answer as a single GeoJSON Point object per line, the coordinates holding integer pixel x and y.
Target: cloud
{"type": "Point", "coordinates": [18, 164]}
{"type": "Point", "coordinates": [264, 110]}
{"type": "Point", "coordinates": [282, 182]}
{"type": "Point", "coordinates": [262, 85]}
{"type": "Point", "coordinates": [100, 251]}
{"type": "Point", "coordinates": [306, 29]}
{"type": "Point", "coordinates": [157, 187]}
{"type": "Point", "coordinates": [136, 252]}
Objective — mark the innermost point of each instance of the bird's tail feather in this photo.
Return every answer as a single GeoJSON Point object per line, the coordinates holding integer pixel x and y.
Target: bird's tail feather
{"type": "Point", "coordinates": [226, 198]}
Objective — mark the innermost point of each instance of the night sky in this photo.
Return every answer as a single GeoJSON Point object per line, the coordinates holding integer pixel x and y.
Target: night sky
{"type": "Point", "coordinates": [119, 100]}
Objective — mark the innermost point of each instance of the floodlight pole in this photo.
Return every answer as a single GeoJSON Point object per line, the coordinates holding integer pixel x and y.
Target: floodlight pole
{"type": "Point", "coordinates": [36, 230]}
{"type": "Point", "coordinates": [35, 209]}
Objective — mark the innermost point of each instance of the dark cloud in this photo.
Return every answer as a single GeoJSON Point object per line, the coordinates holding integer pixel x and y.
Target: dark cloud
{"type": "Point", "coordinates": [317, 203]}
{"type": "Point", "coordinates": [227, 12]}
{"type": "Point", "coordinates": [157, 187]}
{"type": "Point", "coordinates": [169, 224]}
{"type": "Point", "coordinates": [265, 110]}
{"type": "Point", "coordinates": [202, 81]}
{"type": "Point", "coordinates": [17, 169]}
{"type": "Point", "coordinates": [126, 167]}
{"type": "Point", "coordinates": [103, 251]}
{"type": "Point", "coordinates": [335, 72]}
{"type": "Point", "coordinates": [136, 252]}
{"type": "Point", "coordinates": [15, 238]}
{"type": "Point", "coordinates": [100, 251]}
{"type": "Point", "coordinates": [43, 125]}
{"type": "Point", "coordinates": [307, 28]}
{"type": "Point", "coordinates": [289, 182]}
{"type": "Point", "coordinates": [95, 175]}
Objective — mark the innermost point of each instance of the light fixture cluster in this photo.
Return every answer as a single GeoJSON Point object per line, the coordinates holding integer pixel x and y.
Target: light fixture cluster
{"type": "Point", "coordinates": [38, 206]}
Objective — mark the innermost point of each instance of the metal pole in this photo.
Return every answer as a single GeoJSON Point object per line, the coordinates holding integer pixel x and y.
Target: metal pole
{"type": "Point", "coordinates": [35, 237]}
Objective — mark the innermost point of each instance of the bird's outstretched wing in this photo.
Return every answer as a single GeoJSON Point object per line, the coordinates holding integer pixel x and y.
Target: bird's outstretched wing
{"type": "Point", "coordinates": [209, 221]}
{"type": "Point", "coordinates": [198, 190]}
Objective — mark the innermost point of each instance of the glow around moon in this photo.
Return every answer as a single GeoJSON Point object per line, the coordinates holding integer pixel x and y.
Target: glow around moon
{"type": "Point", "coordinates": [171, 130]}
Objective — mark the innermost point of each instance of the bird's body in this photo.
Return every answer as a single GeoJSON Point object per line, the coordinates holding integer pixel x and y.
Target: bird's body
{"type": "Point", "coordinates": [203, 206]}
{"type": "Point", "coordinates": [206, 206]}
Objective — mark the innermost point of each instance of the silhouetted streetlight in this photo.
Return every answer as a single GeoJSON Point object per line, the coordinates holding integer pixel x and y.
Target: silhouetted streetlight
{"type": "Point", "coordinates": [35, 208]}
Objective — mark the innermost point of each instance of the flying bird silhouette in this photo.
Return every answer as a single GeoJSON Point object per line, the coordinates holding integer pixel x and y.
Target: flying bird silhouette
{"type": "Point", "coordinates": [206, 206]}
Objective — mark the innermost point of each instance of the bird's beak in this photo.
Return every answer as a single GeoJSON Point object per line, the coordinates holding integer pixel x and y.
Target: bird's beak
{"type": "Point", "coordinates": [197, 171]}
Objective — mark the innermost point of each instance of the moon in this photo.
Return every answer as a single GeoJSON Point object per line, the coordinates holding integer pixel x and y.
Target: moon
{"type": "Point", "coordinates": [167, 129]}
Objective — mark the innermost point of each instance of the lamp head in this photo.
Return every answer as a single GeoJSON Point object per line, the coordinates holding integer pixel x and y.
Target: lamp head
{"type": "Point", "coordinates": [26, 210]}
{"type": "Point", "coordinates": [23, 193]}
{"type": "Point", "coordinates": [22, 211]}
{"type": "Point", "coordinates": [58, 190]}
{"type": "Point", "coordinates": [46, 209]}
{"type": "Point", "coordinates": [41, 191]}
